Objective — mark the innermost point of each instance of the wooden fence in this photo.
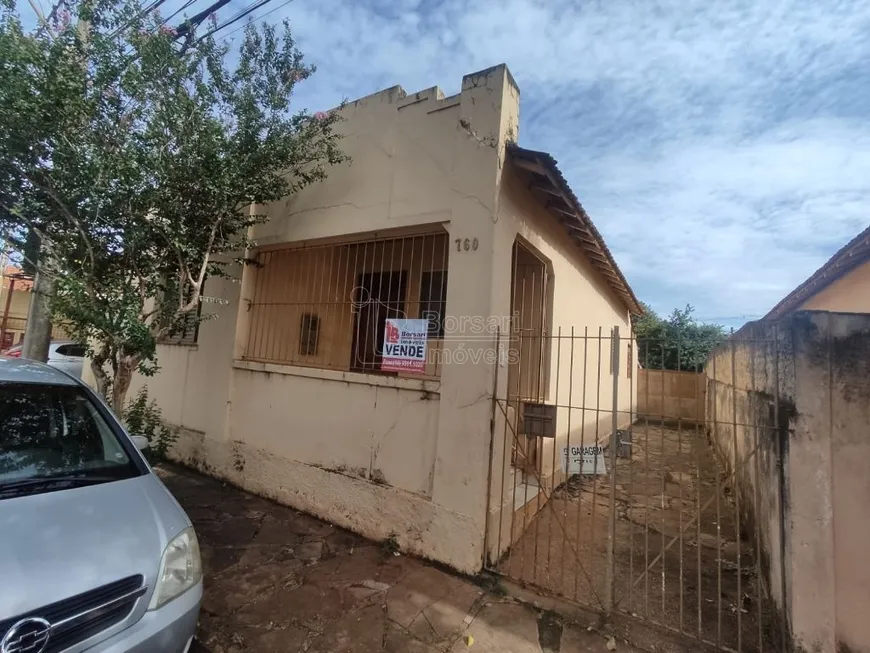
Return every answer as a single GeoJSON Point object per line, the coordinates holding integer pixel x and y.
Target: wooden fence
{"type": "Point", "coordinates": [669, 395]}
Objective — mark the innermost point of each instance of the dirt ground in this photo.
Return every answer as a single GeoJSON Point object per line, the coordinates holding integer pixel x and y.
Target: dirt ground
{"type": "Point", "coordinates": [277, 581]}
{"type": "Point", "coordinates": [706, 583]}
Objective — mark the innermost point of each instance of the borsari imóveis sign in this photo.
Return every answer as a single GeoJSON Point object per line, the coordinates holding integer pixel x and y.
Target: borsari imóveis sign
{"type": "Point", "coordinates": [405, 346]}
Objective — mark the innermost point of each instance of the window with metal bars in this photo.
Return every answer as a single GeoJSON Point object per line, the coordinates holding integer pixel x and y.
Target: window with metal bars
{"type": "Point", "coordinates": [188, 332]}
{"type": "Point", "coordinates": [433, 301]}
{"type": "Point", "coordinates": [308, 332]}
{"type": "Point", "coordinates": [326, 306]}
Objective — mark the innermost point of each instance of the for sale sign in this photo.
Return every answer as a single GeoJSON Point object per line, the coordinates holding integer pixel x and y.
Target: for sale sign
{"type": "Point", "coordinates": [405, 346]}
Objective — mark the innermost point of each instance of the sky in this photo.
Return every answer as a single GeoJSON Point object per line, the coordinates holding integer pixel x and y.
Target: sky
{"type": "Point", "coordinates": [722, 148]}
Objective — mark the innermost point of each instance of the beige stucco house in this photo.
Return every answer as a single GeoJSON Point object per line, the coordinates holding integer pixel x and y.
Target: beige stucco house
{"type": "Point", "coordinates": [842, 284]}
{"type": "Point", "coordinates": [440, 216]}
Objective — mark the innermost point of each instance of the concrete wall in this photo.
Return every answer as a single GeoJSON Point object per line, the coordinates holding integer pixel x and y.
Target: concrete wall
{"type": "Point", "coordinates": [798, 391]}
{"type": "Point", "coordinates": [671, 395]}
{"type": "Point", "coordinates": [849, 294]}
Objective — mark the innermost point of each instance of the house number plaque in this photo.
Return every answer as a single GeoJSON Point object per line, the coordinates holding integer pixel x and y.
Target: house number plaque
{"type": "Point", "coordinates": [466, 244]}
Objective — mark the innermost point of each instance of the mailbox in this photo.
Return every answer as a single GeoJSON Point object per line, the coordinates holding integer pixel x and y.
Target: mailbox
{"type": "Point", "coordinates": [538, 420]}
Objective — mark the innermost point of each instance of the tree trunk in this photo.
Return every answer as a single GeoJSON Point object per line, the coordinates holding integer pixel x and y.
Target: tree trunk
{"type": "Point", "coordinates": [121, 383]}
{"type": "Point", "coordinates": [100, 378]}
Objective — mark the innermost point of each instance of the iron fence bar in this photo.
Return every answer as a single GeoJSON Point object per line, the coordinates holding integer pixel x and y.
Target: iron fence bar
{"type": "Point", "coordinates": [442, 299]}
{"type": "Point", "coordinates": [567, 458]}
{"type": "Point", "coordinates": [505, 453]}
{"type": "Point", "coordinates": [283, 325]}
{"type": "Point", "coordinates": [582, 441]}
{"type": "Point", "coordinates": [646, 503]}
{"type": "Point", "coordinates": [611, 544]}
{"type": "Point", "coordinates": [574, 551]}
{"type": "Point", "coordinates": [593, 512]}
{"type": "Point", "coordinates": [518, 407]}
{"type": "Point", "coordinates": [736, 490]}
{"type": "Point", "coordinates": [700, 590]}
{"type": "Point", "coordinates": [718, 522]}
{"type": "Point", "coordinates": [538, 395]}
{"type": "Point", "coordinates": [680, 518]}
{"type": "Point", "coordinates": [523, 441]}
{"type": "Point", "coordinates": [632, 369]}
{"type": "Point", "coordinates": [555, 446]}
{"type": "Point", "coordinates": [662, 496]}
{"type": "Point", "coordinates": [268, 314]}
{"type": "Point", "coordinates": [492, 452]}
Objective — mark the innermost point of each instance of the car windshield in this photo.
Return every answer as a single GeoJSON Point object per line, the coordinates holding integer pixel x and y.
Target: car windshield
{"type": "Point", "coordinates": [55, 432]}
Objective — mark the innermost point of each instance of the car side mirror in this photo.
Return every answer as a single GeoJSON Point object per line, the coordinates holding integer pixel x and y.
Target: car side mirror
{"type": "Point", "coordinates": [140, 441]}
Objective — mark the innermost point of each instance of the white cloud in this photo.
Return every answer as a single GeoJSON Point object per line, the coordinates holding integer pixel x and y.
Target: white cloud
{"type": "Point", "coordinates": [722, 147]}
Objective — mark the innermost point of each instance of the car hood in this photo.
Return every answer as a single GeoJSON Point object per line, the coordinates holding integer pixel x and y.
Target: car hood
{"type": "Point", "coordinates": [58, 544]}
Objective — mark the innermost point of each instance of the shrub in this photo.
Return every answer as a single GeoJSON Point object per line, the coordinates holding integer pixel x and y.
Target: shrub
{"type": "Point", "coordinates": [143, 417]}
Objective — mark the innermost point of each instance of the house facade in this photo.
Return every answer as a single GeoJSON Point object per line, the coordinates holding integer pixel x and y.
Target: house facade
{"type": "Point", "coordinates": [841, 285]}
{"type": "Point", "coordinates": [289, 392]}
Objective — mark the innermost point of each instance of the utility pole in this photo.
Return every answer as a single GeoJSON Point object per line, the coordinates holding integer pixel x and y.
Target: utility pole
{"type": "Point", "coordinates": [37, 334]}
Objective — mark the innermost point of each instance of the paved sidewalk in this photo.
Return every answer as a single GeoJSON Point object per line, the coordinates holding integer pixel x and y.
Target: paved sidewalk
{"type": "Point", "coordinates": [277, 581]}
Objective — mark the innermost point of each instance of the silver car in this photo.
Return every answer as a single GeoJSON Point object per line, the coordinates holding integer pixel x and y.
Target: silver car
{"type": "Point", "coordinates": [95, 553]}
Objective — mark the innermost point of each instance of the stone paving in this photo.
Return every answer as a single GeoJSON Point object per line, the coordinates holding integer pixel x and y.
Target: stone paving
{"type": "Point", "coordinates": [277, 581]}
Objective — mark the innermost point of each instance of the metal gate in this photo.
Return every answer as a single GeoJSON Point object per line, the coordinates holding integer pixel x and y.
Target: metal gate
{"type": "Point", "coordinates": [656, 489]}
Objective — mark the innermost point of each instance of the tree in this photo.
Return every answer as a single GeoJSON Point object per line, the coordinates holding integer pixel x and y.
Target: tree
{"type": "Point", "coordinates": [138, 159]}
{"type": "Point", "coordinates": [677, 343]}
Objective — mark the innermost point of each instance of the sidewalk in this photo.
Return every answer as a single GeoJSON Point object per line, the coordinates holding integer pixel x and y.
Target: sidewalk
{"type": "Point", "coordinates": [277, 581]}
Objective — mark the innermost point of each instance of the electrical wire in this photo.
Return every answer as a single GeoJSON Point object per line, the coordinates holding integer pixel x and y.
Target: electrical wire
{"type": "Point", "coordinates": [238, 16]}
{"type": "Point", "coordinates": [261, 17]}
{"type": "Point", "coordinates": [176, 12]}
{"type": "Point", "coordinates": [149, 8]}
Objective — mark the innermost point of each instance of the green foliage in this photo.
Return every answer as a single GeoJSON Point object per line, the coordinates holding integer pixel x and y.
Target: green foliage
{"type": "Point", "coordinates": [677, 343]}
{"type": "Point", "coordinates": [139, 160]}
{"type": "Point", "coordinates": [143, 417]}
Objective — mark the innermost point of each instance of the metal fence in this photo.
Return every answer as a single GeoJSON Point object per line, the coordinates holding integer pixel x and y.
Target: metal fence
{"type": "Point", "coordinates": [663, 519]}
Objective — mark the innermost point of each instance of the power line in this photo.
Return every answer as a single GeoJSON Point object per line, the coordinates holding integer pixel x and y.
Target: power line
{"type": "Point", "coordinates": [177, 11]}
{"type": "Point", "coordinates": [196, 20]}
{"type": "Point", "coordinates": [144, 12]}
{"type": "Point", "coordinates": [283, 4]}
{"type": "Point", "coordinates": [247, 10]}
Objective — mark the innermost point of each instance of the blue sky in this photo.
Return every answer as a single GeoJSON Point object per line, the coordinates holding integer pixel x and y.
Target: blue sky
{"type": "Point", "coordinates": [722, 148]}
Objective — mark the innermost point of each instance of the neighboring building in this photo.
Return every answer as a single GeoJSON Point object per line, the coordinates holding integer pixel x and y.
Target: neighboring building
{"type": "Point", "coordinates": [439, 216]}
{"type": "Point", "coordinates": [15, 291]}
{"type": "Point", "coordinates": [788, 405]}
{"type": "Point", "coordinates": [842, 284]}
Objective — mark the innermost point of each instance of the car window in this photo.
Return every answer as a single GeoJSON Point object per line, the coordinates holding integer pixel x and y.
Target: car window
{"type": "Point", "coordinates": [48, 431]}
{"type": "Point", "coordinates": [71, 350]}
